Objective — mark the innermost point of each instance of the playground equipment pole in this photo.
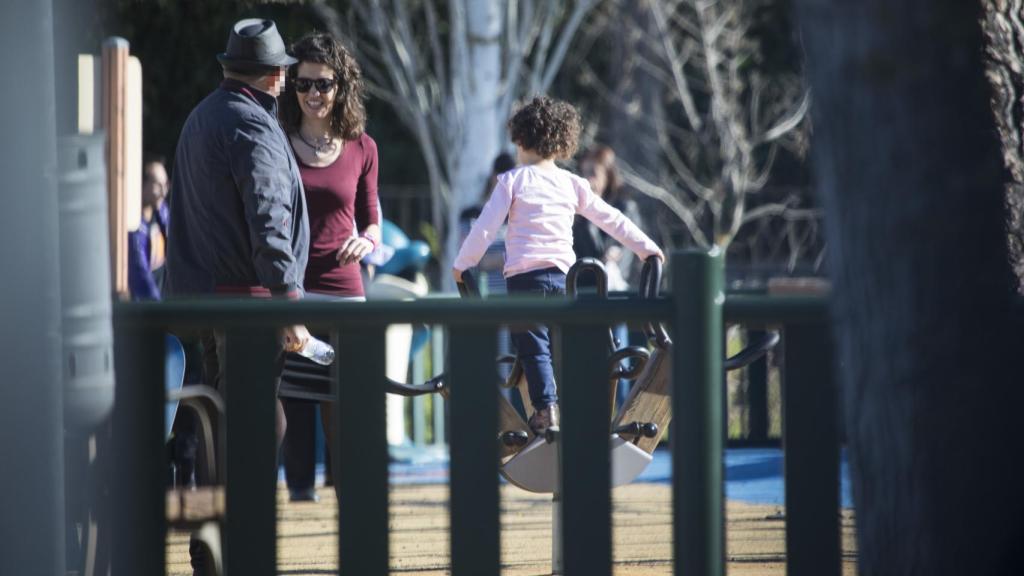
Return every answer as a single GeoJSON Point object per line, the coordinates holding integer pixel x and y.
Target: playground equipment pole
{"type": "Point", "coordinates": [698, 409]}
{"type": "Point", "coordinates": [31, 406]}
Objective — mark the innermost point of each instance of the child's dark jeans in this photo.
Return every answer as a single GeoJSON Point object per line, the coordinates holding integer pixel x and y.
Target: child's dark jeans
{"type": "Point", "coordinates": [533, 344]}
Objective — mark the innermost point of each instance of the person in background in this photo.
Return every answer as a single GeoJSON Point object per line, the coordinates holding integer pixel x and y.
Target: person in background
{"type": "Point", "coordinates": [323, 114]}
{"type": "Point", "coordinates": [147, 244]}
{"type": "Point", "coordinates": [540, 200]}
{"type": "Point", "coordinates": [597, 165]}
{"type": "Point", "coordinates": [147, 249]}
{"type": "Point", "coordinates": [503, 162]}
{"type": "Point", "coordinates": [238, 223]}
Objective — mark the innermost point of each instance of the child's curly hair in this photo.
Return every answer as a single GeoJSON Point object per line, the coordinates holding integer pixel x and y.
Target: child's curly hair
{"type": "Point", "coordinates": [547, 126]}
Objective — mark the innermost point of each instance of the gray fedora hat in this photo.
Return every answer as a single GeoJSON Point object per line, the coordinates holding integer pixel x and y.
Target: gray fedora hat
{"type": "Point", "coordinates": [254, 46]}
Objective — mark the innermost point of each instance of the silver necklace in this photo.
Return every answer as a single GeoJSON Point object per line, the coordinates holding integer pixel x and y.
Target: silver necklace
{"type": "Point", "coordinates": [320, 149]}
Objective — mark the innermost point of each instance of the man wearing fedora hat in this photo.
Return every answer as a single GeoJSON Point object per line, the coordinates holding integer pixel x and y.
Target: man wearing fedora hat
{"type": "Point", "coordinates": [238, 222]}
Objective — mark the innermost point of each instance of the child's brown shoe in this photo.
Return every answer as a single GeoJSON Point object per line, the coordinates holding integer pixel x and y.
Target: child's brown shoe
{"type": "Point", "coordinates": [546, 417]}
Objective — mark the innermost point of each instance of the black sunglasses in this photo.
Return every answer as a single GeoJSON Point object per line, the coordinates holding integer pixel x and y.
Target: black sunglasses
{"type": "Point", "coordinates": [322, 84]}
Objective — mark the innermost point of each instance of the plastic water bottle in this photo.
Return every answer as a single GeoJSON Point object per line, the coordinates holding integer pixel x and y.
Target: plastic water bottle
{"type": "Point", "coordinates": [318, 351]}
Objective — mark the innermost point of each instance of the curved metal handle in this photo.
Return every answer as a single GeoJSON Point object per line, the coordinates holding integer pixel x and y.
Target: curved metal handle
{"type": "Point", "coordinates": [650, 281]}
{"type": "Point", "coordinates": [435, 384]}
{"type": "Point", "coordinates": [587, 265]}
{"type": "Point", "coordinates": [468, 288]}
{"type": "Point", "coordinates": [752, 352]}
{"type": "Point", "coordinates": [201, 391]}
{"type": "Point", "coordinates": [596, 267]}
{"type": "Point", "coordinates": [204, 400]}
{"type": "Point", "coordinates": [650, 278]}
{"type": "Point", "coordinates": [637, 353]}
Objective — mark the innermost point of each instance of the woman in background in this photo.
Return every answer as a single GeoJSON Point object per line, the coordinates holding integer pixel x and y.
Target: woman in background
{"type": "Point", "coordinates": [597, 165]}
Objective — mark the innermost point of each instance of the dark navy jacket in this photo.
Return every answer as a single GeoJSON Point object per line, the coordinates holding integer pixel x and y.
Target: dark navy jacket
{"type": "Point", "coordinates": [238, 212]}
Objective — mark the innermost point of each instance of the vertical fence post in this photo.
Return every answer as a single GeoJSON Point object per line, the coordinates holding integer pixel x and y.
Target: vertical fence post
{"type": "Point", "coordinates": [419, 422]}
{"type": "Point", "coordinates": [757, 393]}
{"type": "Point", "coordinates": [810, 438]}
{"type": "Point", "coordinates": [436, 400]}
{"type": "Point", "coordinates": [251, 366]}
{"type": "Point", "coordinates": [475, 529]}
{"type": "Point", "coordinates": [360, 451]}
{"type": "Point", "coordinates": [697, 430]}
{"type": "Point", "coordinates": [139, 471]}
{"type": "Point", "coordinates": [586, 470]}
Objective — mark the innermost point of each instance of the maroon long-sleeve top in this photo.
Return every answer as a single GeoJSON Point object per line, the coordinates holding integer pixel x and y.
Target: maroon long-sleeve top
{"type": "Point", "coordinates": [342, 202]}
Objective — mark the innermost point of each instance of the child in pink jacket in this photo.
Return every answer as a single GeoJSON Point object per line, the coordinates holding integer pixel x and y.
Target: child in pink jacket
{"type": "Point", "coordinates": [540, 200]}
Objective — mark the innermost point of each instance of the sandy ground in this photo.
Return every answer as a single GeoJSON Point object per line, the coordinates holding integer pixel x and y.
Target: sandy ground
{"type": "Point", "coordinates": [419, 538]}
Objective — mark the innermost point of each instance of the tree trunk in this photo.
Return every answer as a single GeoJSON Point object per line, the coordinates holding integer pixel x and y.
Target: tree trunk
{"type": "Point", "coordinates": [1004, 35]}
{"type": "Point", "coordinates": [907, 161]}
{"type": "Point", "coordinates": [478, 143]}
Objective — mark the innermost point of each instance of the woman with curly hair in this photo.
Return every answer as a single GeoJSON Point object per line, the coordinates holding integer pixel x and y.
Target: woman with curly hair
{"type": "Point", "coordinates": [322, 112]}
{"type": "Point", "coordinates": [541, 200]}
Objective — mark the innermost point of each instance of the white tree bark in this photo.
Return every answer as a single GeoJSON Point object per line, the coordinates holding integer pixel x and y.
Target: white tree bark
{"type": "Point", "coordinates": [479, 88]}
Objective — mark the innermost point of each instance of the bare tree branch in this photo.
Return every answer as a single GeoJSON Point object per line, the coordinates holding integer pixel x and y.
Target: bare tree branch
{"type": "Point", "coordinates": [788, 124]}
{"type": "Point", "coordinates": [671, 201]}
{"type": "Point", "coordinates": [675, 65]}
{"type": "Point", "coordinates": [719, 125]}
{"type": "Point", "coordinates": [568, 31]}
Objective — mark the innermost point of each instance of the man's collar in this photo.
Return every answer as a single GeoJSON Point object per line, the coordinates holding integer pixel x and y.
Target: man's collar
{"type": "Point", "coordinates": [262, 98]}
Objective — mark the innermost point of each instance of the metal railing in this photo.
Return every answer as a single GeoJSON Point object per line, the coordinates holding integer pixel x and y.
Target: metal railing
{"type": "Point", "coordinates": [695, 312]}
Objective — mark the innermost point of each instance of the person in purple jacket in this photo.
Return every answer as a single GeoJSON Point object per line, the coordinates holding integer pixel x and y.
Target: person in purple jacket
{"type": "Point", "coordinates": [540, 200]}
{"type": "Point", "coordinates": [147, 244]}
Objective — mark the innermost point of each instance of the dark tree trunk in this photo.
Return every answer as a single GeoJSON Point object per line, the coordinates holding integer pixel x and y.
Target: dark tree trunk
{"type": "Point", "coordinates": [1003, 25]}
{"type": "Point", "coordinates": [907, 162]}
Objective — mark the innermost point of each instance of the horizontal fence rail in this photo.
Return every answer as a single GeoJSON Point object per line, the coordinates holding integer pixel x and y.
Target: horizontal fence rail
{"type": "Point", "coordinates": [695, 313]}
{"type": "Point", "coordinates": [320, 314]}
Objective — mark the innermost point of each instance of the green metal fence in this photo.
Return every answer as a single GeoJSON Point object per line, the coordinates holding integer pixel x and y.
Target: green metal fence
{"type": "Point", "coordinates": [695, 313]}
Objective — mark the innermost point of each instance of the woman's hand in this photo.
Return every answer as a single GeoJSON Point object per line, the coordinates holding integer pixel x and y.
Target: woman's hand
{"type": "Point", "coordinates": [294, 337]}
{"type": "Point", "coordinates": [354, 249]}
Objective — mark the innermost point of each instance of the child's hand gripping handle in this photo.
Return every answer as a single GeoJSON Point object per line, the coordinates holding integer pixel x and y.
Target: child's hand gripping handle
{"type": "Point", "coordinates": [468, 288]}
{"type": "Point", "coordinates": [650, 280]}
